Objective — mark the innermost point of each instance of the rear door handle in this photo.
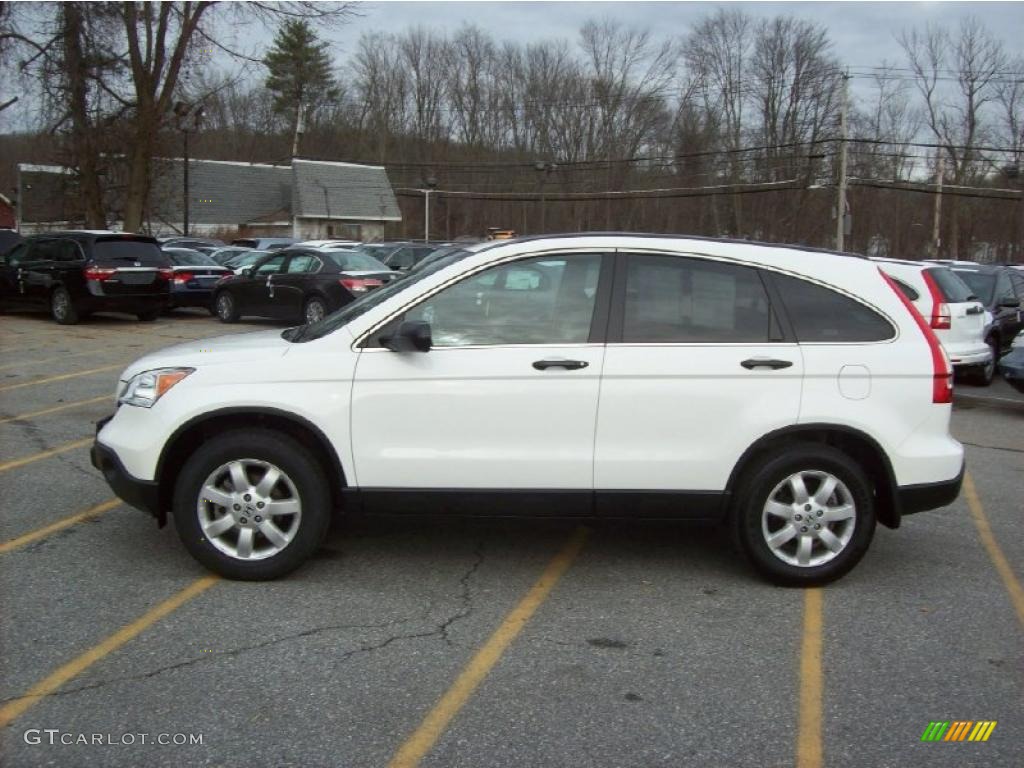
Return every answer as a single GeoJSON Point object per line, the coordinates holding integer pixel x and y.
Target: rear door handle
{"type": "Point", "coordinates": [765, 362]}
{"type": "Point", "coordinates": [569, 365]}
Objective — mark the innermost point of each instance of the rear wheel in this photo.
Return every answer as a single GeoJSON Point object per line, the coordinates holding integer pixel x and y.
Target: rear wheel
{"type": "Point", "coordinates": [314, 309]}
{"type": "Point", "coordinates": [62, 309]}
{"type": "Point", "coordinates": [805, 516]}
{"type": "Point", "coordinates": [252, 504]}
{"type": "Point", "coordinates": [225, 307]}
{"type": "Point", "coordinates": [983, 374]}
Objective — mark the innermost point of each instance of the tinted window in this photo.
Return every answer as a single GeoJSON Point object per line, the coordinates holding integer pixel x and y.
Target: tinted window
{"type": "Point", "coordinates": [822, 315]}
{"type": "Point", "coordinates": [1003, 288]}
{"type": "Point", "coordinates": [981, 284]}
{"type": "Point", "coordinates": [544, 300]}
{"type": "Point", "coordinates": [17, 254]}
{"type": "Point", "coordinates": [44, 250]}
{"type": "Point", "coordinates": [186, 258]}
{"type": "Point", "coordinates": [271, 266]}
{"type": "Point", "coordinates": [244, 243]}
{"type": "Point", "coordinates": [1018, 284]}
{"type": "Point", "coordinates": [354, 261]}
{"type": "Point", "coordinates": [952, 288]}
{"type": "Point", "coordinates": [122, 250]}
{"type": "Point", "coordinates": [303, 263]}
{"type": "Point", "coordinates": [673, 299]}
{"type": "Point", "coordinates": [909, 292]}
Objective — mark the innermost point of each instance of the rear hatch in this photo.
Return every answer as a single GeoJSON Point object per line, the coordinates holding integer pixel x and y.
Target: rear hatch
{"type": "Point", "coordinates": [128, 266]}
{"type": "Point", "coordinates": [966, 313]}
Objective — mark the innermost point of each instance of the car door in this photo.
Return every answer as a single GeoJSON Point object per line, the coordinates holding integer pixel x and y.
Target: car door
{"type": "Point", "coordinates": [259, 290]}
{"type": "Point", "coordinates": [35, 273]}
{"type": "Point", "coordinates": [500, 412]}
{"type": "Point", "coordinates": [10, 275]}
{"type": "Point", "coordinates": [698, 367]}
{"type": "Point", "coordinates": [290, 286]}
{"type": "Point", "coordinates": [1010, 318]}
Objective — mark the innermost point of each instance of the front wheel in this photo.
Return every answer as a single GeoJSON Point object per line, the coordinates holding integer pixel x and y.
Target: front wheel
{"type": "Point", "coordinates": [806, 516]}
{"type": "Point", "coordinates": [252, 504]}
{"type": "Point", "coordinates": [225, 307]}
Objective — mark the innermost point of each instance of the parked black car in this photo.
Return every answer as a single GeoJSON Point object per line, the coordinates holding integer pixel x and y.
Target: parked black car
{"type": "Point", "coordinates": [408, 256]}
{"type": "Point", "coordinates": [299, 284]}
{"type": "Point", "coordinates": [1001, 290]}
{"type": "Point", "coordinates": [195, 275]}
{"type": "Point", "coordinates": [224, 255]}
{"type": "Point", "coordinates": [1012, 364]}
{"type": "Point", "coordinates": [76, 273]}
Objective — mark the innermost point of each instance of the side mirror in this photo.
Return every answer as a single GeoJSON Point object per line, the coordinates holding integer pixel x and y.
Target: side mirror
{"type": "Point", "coordinates": [1008, 302]}
{"type": "Point", "coordinates": [412, 336]}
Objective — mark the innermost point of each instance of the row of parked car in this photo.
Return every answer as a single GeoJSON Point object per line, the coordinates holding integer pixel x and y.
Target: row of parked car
{"type": "Point", "coordinates": [977, 311]}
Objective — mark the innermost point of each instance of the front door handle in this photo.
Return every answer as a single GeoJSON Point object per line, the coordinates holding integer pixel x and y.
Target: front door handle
{"type": "Point", "coordinates": [569, 365]}
{"type": "Point", "coordinates": [765, 362]}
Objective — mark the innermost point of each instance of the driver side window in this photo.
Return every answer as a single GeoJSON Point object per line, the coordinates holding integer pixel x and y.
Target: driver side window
{"type": "Point", "coordinates": [541, 300]}
{"type": "Point", "coordinates": [17, 254]}
{"type": "Point", "coordinates": [270, 266]}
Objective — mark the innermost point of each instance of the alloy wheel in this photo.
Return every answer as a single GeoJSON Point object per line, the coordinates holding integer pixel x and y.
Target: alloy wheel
{"type": "Point", "coordinates": [249, 509]}
{"type": "Point", "coordinates": [315, 311]}
{"type": "Point", "coordinates": [809, 518]}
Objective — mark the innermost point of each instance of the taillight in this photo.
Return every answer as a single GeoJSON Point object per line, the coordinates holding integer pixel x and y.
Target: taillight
{"type": "Point", "coordinates": [942, 318]}
{"type": "Point", "coordinates": [166, 273]}
{"type": "Point", "coordinates": [360, 284]}
{"type": "Point", "coordinates": [183, 277]}
{"type": "Point", "coordinates": [942, 372]}
{"type": "Point", "coordinates": [99, 273]}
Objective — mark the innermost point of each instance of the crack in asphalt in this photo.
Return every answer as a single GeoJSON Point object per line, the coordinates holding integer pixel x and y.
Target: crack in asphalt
{"type": "Point", "coordinates": [993, 447]}
{"type": "Point", "coordinates": [465, 600]}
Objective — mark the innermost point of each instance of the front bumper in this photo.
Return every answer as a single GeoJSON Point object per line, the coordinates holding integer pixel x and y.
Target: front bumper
{"type": "Point", "coordinates": [141, 494]}
{"type": "Point", "coordinates": [925, 496]}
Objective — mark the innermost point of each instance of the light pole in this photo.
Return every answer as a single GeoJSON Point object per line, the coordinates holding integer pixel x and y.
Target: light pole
{"type": "Point", "coordinates": [183, 112]}
{"type": "Point", "coordinates": [431, 183]}
{"type": "Point", "coordinates": [545, 169]}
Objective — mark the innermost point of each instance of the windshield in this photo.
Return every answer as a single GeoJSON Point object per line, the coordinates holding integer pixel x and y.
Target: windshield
{"type": "Point", "coordinates": [181, 257]}
{"type": "Point", "coordinates": [353, 261]}
{"type": "Point", "coordinates": [982, 285]}
{"type": "Point", "coordinates": [368, 301]}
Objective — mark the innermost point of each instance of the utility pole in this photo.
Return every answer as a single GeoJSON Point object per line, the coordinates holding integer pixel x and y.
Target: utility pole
{"type": "Point", "coordinates": [299, 130]}
{"type": "Point", "coordinates": [937, 215]}
{"type": "Point", "coordinates": [431, 183]}
{"type": "Point", "coordinates": [841, 201]}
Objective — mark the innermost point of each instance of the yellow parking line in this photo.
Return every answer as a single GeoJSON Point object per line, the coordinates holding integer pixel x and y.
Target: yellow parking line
{"type": "Point", "coordinates": [808, 743]}
{"type": "Point", "coordinates": [39, 533]}
{"type": "Point", "coordinates": [61, 377]}
{"type": "Point", "coordinates": [77, 666]}
{"type": "Point", "coordinates": [54, 409]}
{"type": "Point", "coordinates": [433, 726]}
{"type": "Point", "coordinates": [15, 463]}
{"type": "Point", "coordinates": [995, 553]}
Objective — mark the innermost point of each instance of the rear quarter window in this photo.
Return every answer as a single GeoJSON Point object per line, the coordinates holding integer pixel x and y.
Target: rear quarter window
{"type": "Point", "coordinates": [124, 252]}
{"type": "Point", "coordinates": [819, 314]}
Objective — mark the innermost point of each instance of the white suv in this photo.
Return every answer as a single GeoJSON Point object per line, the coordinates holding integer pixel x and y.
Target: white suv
{"type": "Point", "coordinates": [951, 309]}
{"type": "Point", "coordinates": [793, 394]}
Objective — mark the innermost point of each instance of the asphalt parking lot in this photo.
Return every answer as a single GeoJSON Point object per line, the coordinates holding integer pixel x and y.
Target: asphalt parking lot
{"type": "Point", "coordinates": [471, 643]}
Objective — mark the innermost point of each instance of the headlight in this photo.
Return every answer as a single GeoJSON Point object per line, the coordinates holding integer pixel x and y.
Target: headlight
{"type": "Point", "coordinates": [145, 388]}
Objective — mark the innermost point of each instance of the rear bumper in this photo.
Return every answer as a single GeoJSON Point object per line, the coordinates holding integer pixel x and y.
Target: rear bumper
{"type": "Point", "coordinates": [925, 496]}
{"type": "Point", "coordinates": [141, 494]}
{"type": "Point", "coordinates": [969, 355]}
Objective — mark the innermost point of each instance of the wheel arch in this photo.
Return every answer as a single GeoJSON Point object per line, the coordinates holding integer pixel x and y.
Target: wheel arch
{"type": "Point", "coordinates": [185, 438]}
{"type": "Point", "coordinates": [859, 446]}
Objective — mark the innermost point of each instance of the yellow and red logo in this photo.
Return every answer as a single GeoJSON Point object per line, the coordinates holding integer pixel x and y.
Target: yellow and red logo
{"type": "Point", "coordinates": [959, 730]}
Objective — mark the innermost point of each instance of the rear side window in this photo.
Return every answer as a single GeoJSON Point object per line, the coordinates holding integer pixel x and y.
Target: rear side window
{"type": "Point", "coordinates": [820, 314]}
{"type": "Point", "coordinates": [675, 299]}
{"type": "Point", "coordinates": [953, 289]}
{"type": "Point", "coordinates": [909, 292]}
{"type": "Point", "coordinates": [124, 253]}
{"type": "Point", "coordinates": [982, 284]}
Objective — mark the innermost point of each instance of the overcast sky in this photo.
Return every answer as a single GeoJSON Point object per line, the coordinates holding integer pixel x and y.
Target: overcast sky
{"type": "Point", "coordinates": [862, 32]}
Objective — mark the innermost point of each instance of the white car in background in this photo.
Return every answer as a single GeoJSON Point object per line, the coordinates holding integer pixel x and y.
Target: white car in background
{"type": "Point", "coordinates": [329, 245]}
{"type": "Point", "coordinates": [951, 310]}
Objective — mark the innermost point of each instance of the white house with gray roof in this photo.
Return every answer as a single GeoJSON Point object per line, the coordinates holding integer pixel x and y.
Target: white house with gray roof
{"type": "Point", "coordinates": [308, 199]}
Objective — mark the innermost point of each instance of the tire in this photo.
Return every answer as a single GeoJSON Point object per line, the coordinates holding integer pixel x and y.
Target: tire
{"type": "Point", "coordinates": [983, 375]}
{"type": "Point", "coordinates": [62, 308]}
{"type": "Point", "coordinates": [302, 487]}
{"type": "Point", "coordinates": [314, 309]}
{"type": "Point", "coordinates": [769, 481]}
{"type": "Point", "coordinates": [148, 317]}
{"type": "Point", "coordinates": [225, 307]}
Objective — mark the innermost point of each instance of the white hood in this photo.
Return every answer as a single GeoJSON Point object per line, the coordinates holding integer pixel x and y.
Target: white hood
{"type": "Point", "coordinates": [235, 348]}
